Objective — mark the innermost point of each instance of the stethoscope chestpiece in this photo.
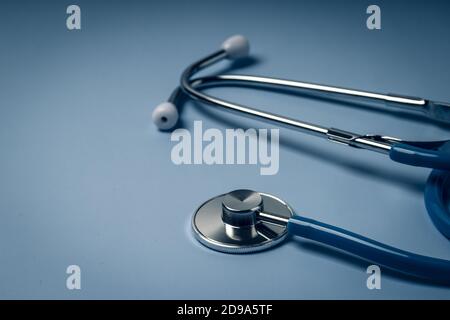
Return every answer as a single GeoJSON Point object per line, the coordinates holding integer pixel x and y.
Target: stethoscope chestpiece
{"type": "Point", "coordinates": [244, 221]}
{"type": "Point", "coordinates": [232, 223]}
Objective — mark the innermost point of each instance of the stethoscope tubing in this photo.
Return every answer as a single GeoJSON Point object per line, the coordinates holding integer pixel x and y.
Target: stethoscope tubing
{"type": "Point", "coordinates": [436, 195]}
{"type": "Point", "coordinates": [419, 266]}
{"type": "Point", "coordinates": [424, 267]}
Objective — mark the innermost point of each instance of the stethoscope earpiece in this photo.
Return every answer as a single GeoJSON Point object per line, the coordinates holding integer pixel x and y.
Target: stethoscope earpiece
{"type": "Point", "coordinates": [236, 47]}
{"type": "Point", "coordinates": [165, 116]}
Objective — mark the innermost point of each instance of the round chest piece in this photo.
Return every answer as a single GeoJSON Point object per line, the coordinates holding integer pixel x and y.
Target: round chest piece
{"type": "Point", "coordinates": [231, 222]}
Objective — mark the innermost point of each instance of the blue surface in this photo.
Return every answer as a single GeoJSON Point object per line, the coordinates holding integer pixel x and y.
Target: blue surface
{"type": "Point", "coordinates": [86, 179]}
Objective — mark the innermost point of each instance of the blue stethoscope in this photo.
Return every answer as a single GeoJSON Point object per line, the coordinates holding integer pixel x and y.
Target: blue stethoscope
{"type": "Point", "coordinates": [243, 221]}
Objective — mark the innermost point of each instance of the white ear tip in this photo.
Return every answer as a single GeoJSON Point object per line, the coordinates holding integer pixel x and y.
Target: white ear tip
{"type": "Point", "coordinates": [165, 116]}
{"type": "Point", "coordinates": [236, 47]}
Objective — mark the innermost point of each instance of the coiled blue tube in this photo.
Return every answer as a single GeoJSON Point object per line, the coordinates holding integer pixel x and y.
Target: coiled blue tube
{"type": "Point", "coordinates": [437, 191]}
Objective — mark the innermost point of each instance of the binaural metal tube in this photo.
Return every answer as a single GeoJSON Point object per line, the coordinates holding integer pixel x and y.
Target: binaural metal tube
{"type": "Point", "coordinates": [190, 87]}
{"type": "Point", "coordinates": [319, 88]}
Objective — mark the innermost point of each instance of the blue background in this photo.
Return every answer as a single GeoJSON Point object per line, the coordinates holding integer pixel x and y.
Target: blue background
{"type": "Point", "coordinates": [86, 179]}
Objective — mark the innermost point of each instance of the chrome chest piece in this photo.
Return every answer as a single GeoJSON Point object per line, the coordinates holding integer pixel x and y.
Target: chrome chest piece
{"type": "Point", "coordinates": [245, 221]}
{"type": "Point", "coordinates": [241, 221]}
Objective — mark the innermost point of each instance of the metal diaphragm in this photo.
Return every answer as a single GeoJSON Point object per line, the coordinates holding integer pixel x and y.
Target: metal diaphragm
{"type": "Point", "coordinates": [232, 222]}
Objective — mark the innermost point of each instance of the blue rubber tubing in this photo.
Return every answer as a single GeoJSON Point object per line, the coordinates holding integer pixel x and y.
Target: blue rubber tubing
{"type": "Point", "coordinates": [437, 191]}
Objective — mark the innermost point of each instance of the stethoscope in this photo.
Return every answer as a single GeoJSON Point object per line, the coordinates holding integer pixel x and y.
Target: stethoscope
{"type": "Point", "coordinates": [245, 221]}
